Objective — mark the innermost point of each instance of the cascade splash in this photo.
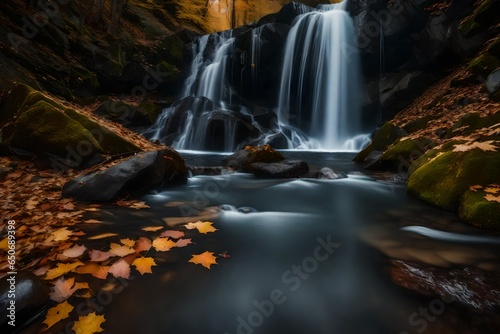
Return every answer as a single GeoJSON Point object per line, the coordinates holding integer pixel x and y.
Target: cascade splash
{"type": "Point", "coordinates": [318, 99]}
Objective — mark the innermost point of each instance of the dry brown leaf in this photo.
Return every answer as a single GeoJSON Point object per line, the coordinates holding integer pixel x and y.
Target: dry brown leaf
{"type": "Point", "coordinates": [142, 244]}
{"type": "Point", "coordinates": [93, 269]}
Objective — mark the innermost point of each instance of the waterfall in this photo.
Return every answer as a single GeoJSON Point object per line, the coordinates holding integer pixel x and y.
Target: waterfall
{"type": "Point", "coordinates": [208, 69]}
{"type": "Point", "coordinates": [320, 82]}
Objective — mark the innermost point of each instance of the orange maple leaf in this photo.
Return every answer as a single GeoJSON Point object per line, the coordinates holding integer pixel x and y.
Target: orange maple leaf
{"type": "Point", "coordinates": [206, 259]}
{"type": "Point", "coordinates": [93, 269]}
{"type": "Point", "coordinates": [144, 264]}
{"type": "Point", "coordinates": [142, 244]}
{"type": "Point", "coordinates": [57, 313]}
{"type": "Point", "coordinates": [202, 227]}
{"type": "Point", "coordinates": [89, 324]}
{"type": "Point", "coordinates": [119, 250]}
{"type": "Point", "coordinates": [163, 244]}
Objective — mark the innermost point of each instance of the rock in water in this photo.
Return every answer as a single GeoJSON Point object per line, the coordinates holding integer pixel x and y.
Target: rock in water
{"type": "Point", "coordinates": [282, 169]}
{"type": "Point", "coordinates": [31, 294]}
{"type": "Point", "coordinates": [138, 174]}
{"type": "Point", "coordinates": [326, 173]}
{"type": "Point", "coordinates": [242, 159]}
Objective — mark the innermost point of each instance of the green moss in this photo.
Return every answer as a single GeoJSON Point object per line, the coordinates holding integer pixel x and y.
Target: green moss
{"type": "Point", "coordinates": [384, 137]}
{"type": "Point", "coordinates": [404, 152]}
{"type": "Point", "coordinates": [109, 141]}
{"type": "Point", "coordinates": [476, 210]}
{"type": "Point", "coordinates": [444, 179]}
{"type": "Point", "coordinates": [472, 22]}
{"type": "Point", "coordinates": [472, 122]}
{"type": "Point", "coordinates": [431, 154]}
{"type": "Point", "coordinates": [150, 109]}
{"type": "Point", "coordinates": [483, 64]}
{"type": "Point", "coordinates": [418, 124]}
{"type": "Point", "coordinates": [44, 128]}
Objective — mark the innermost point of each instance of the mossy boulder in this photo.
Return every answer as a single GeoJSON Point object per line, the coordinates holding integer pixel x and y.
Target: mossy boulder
{"type": "Point", "coordinates": [37, 124]}
{"type": "Point", "coordinates": [478, 211]}
{"type": "Point", "coordinates": [384, 137]}
{"type": "Point", "coordinates": [442, 177]}
{"type": "Point", "coordinates": [242, 159]}
{"type": "Point", "coordinates": [403, 152]}
{"type": "Point", "coordinates": [44, 128]}
{"type": "Point", "coordinates": [470, 122]}
{"type": "Point", "coordinates": [483, 17]}
{"type": "Point", "coordinates": [484, 64]}
{"type": "Point", "coordinates": [418, 124]}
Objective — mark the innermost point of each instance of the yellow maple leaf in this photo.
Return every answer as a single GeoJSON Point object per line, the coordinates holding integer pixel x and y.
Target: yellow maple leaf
{"type": "Point", "coordinates": [492, 198]}
{"type": "Point", "coordinates": [119, 250]}
{"type": "Point", "coordinates": [89, 324]}
{"type": "Point", "coordinates": [61, 269]}
{"type": "Point", "coordinates": [163, 244]}
{"type": "Point", "coordinates": [61, 234]}
{"type": "Point", "coordinates": [492, 189]}
{"type": "Point", "coordinates": [206, 259]}
{"type": "Point", "coordinates": [128, 242]}
{"type": "Point", "coordinates": [144, 264]}
{"type": "Point", "coordinates": [57, 313]}
{"type": "Point", "coordinates": [202, 227]}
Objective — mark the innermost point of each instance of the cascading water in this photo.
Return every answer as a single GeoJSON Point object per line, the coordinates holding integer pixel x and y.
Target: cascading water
{"type": "Point", "coordinates": [318, 101]}
{"type": "Point", "coordinates": [317, 108]}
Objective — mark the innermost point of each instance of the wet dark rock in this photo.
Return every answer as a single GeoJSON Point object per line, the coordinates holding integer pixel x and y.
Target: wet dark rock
{"type": "Point", "coordinates": [326, 173]}
{"type": "Point", "coordinates": [200, 170]}
{"type": "Point", "coordinates": [282, 169]}
{"type": "Point", "coordinates": [134, 176]}
{"type": "Point", "coordinates": [31, 295]}
{"type": "Point", "coordinates": [289, 12]}
{"type": "Point", "coordinates": [247, 209]}
{"type": "Point", "coordinates": [242, 159]}
{"type": "Point", "coordinates": [372, 161]}
{"type": "Point", "coordinates": [469, 286]}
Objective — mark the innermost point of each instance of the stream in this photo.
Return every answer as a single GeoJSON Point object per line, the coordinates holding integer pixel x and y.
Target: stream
{"type": "Point", "coordinates": [306, 256]}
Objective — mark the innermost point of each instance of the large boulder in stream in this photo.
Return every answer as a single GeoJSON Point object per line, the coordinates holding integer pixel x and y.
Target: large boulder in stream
{"type": "Point", "coordinates": [281, 169]}
{"type": "Point", "coordinates": [134, 176]}
{"type": "Point", "coordinates": [242, 159]}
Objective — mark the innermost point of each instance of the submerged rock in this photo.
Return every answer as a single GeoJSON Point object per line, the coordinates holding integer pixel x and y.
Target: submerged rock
{"type": "Point", "coordinates": [326, 173]}
{"type": "Point", "coordinates": [136, 175]}
{"type": "Point", "coordinates": [31, 294]}
{"type": "Point", "coordinates": [282, 169]}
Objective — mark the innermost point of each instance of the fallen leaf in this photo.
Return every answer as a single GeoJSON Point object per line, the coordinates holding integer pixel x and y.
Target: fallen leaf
{"type": "Point", "coordinates": [202, 227]}
{"type": "Point", "coordinates": [93, 269]}
{"type": "Point", "coordinates": [31, 203]}
{"type": "Point", "coordinates": [74, 251]}
{"type": "Point", "coordinates": [152, 228]}
{"type": "Point", "coordinates": [64, 288]}
{"type": "Point", "coordinates": [92, 221]}
{"type": "Point", "coordinates": [163, 244]}
{"type": "Point", "coordinates": [144, 264]}
{"type": "Point", "coordinates": [98, 256]}
{"type": "Point", "coordinates": [120, 269]}
{"type": "Point", "coordinates": [142, 244]}
{"type": "Point", "coordinates": [206, 259]}
{"type": "Point", "coordinates": [492, 190]}
{"type": "Point", "coordinates": [119, 250]}
{"type": "Point", "coordinates": [89, 324]}
{"type": "Point", "coordinates": [102, 236]}
{"type": "Point", "coordinates": [172, 234]}
{"type": "Point", "coordinates": [62, 234]}
{"type": "Point", "coordinates": [61, 269]}
{"type": "Point", "coordinates": [492, 198]}
{"type": "Point", "coordinates": [57, 313]}
{"type": "Point", "coordinates": [475, 188]}
{"type": "Point", "coordinates": [485, 146]}
{"type": "Point", "coordinates": [69, 206]}
{"type": "Point", "coordinates": [183, 242]}
{"type": "Point", "coordinates": [128, 242]}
